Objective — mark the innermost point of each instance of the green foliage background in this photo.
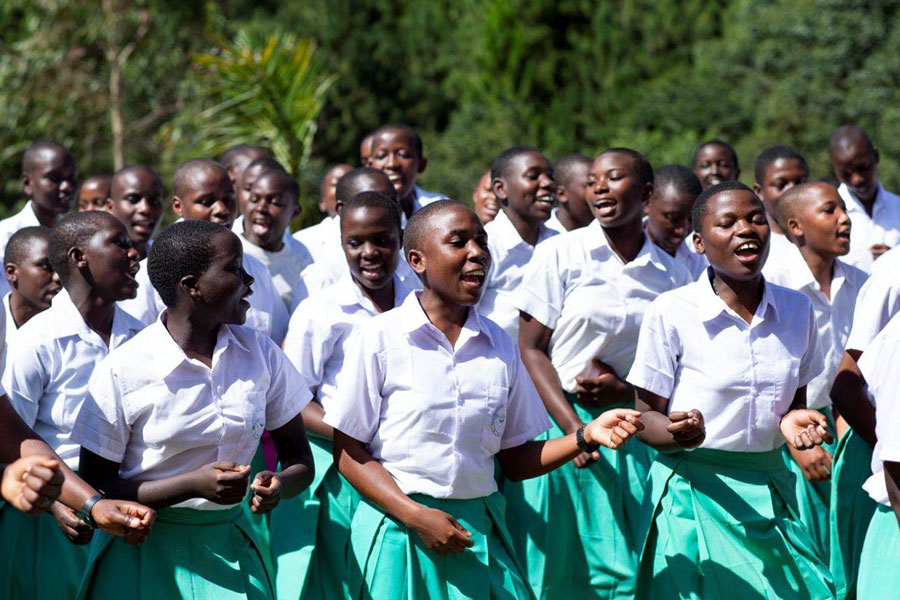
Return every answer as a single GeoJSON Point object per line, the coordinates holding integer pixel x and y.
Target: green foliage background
{"type": "Point", "coordinates": [474, 76]}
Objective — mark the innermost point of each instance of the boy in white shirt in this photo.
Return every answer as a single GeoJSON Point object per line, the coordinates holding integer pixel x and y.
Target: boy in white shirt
{"type": "Point", "coordinates": [675, 187]}
{"type": "Point", "coordinates": [173, 419]}
{"type": "Point", "coordinates": [723, 364]}
{"type": "Point", "coordinates": [875, 212]}
{"type": "Point", "coordinates": [49, 362]}
{"type": "Point", "coordinates": [815, 220]}
{"type": "Point", "coordinates": [523, 183]}
{"type": "Point", "coordinates": [429, 395]}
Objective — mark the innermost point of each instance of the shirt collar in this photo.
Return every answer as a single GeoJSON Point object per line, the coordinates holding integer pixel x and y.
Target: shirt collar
{"type": "Point", "coordinates": [412, 317]}
{"type": "Point", "coordinates": [67, 320]}
{"type": "Point", "coordinates": [595, 238]}
{"type": "Point", "coordinates": [349, 294]}
{"type": "Point", "coordinates": [509, 237]}
{"type": "Point", "coordinates": [711, 306]}
{"type": "Point", "coordinates": [169, 355]}
{"type": "Point", "coordinates": [852, 202]}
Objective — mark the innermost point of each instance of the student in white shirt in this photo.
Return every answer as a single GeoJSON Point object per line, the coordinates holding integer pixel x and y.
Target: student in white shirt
{"type": "Point", "coordinates": [431, 394]}
{"type": "Point", "coordinates": [315, 237]}
{"type": "Point", "coordinates": [202, 191]}
{"type": "Point", "coordinates": [675, 187]}
{"type": "Point", "coordinates": [523, 183]}
{"type": "Point", "coordinates": [881, 549]}
{"type": "Point", "coordinates": [135, 198]}
{"type": "Point", "coordinates": [815, 220]}
{"type": "Point", "coordinates": [173, 419]}
{"type": "Point", "coordinates": [397, 150]}
{"type": "Point", "coordinates": [316, 342]}
{"type": "Point", "coordinates": [273, 202]}
{"type": "Point", "coordinates": [875, 212]}
{"type": "Point", "coordinates": [49, 362]}
{"type": "Point", "coordinates": [580, 304]}
{"type": "Point", "coordinates": [570, 174]}
{"type": "Point", "coordinates": [49, 179]}
{"type": "Point", "coordinates": [723, 364]}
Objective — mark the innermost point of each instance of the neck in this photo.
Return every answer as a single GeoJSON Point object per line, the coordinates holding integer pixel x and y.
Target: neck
{"type": "Point", "coordinates": [743, 297]}
{"type": "Point", "coordinates": [565, 217]}
{"type": "Point", "coordinates": [407, 203]}
{"type": "Point", "coordinates": [382, 298]}
{"type": "Point", "coordinates": [141, 250]}
{"type": "Point", "coordinates": [97, 312]}
{"type": "Point", "coordinates": [626, 241]}
{"type": "Point", "coordinates": [449, 319]}
{"type": "Point", "coordinates": [22, 309]}
{"type": "Point", "coordinates": [528, 230]}
{"type": "Point", "coordinates": [44, 217]}
{"type": "Point", "coordinates": [275, 245]}
{"type": "Point", "coordinates": [196, 339]}
{"type": "Point", "coordinates": [821, 266]}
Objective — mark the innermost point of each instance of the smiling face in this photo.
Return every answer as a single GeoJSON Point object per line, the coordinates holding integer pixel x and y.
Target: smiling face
{"type": "Point", "coordinates": [93, 193]}
{"type": "Point", "coordinates": [33, 279]}
{"type": "Point", "coordinates": [208, 195]}
{"type": "Point", "coordinates": [269, 210]}
{"type": "Point", "coordinates": [822, 222]}
{"type": "Point", "coordinates": [856, 165]}
{"type": "Point", "coordinates": [526, 187]}
{"type": "Point", "coordinates": [112, 263]}
{"type": "Point", "coordinates": [51, 180]}
{"type": "Point", "coordinates": [136, 200]}
{"type": "Point", "coordinates": [454, 258]}
{"type": "Point", "coordinates": [615, 191]}
{"type": "Point", "coordinates": [734, 234]}
{"type": "Point", "coordinates": [486, 205]}
{"type": "Point", "coordinates": [669, 217]}
{"type": "Point", "coordinates": [714, 164]}
{"type": "Point", "coordinates": [223, 288]}
{"type": "Point", "coordinates": [780, 176]}
{"type": "Point", "coordinates": [394, 152]}
{"type": "Point", "coordinates": [371, 243]}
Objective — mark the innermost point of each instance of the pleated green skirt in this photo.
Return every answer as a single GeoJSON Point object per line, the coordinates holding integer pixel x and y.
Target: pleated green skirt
{"type": "Point", "coordinates": [310, 534]}
{"type": "Point", "coordinates": [258, 522]}
{"type": "Point", "coordinates": [725, 525]}
{"type": "Point", "coordinates": [851, 510]}
{"type": "Point", "coordinates": [37, 560]}
{"type": "Point", "coordinates": [395, 564]}
{"type": "Point", "coordinates": [191, 555]}
{"type": "Point", "coordinates": [578, 531]}
{"type": "Point", "coordinates": [879, 565]}
{"type": "Point", "coordinates": [814, 498]}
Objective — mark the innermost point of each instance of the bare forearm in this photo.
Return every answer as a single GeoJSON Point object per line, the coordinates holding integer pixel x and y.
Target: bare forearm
{"type": "Point", "coordinates": [655, 433]}
{"type": "Point", "coordinates": [296, 478]}
{"type": "Point", "coordinates": [848, 394]}
{"type": "Point", "coordinates": [536, 458]}
{"type": "Point", "coordinates": [312, 421]}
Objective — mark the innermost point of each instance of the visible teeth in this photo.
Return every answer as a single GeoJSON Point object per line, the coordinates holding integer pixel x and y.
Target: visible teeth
{"type": "Point", "coordinates": [748, 246]}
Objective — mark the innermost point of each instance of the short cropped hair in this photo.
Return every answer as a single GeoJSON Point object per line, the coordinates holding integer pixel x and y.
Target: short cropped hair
{"type": "Point", "coordinates": [846, 134]}
{"type": "Point", "coordinates": [375, 200]}
{"type": "Point", "coordinates": [184, 248]}
{"type": "Point", "coordinates": [354, 182]}
{"type": "Point", "coordinates": [187, 169]}
{"type": "Point", "coordinates": [679, 177]}
{"type": "Point", "coordinates": [563, 168]}
{"type": "Point", "coordinates": [19, 245]}
{"type": "Point", "coordinates": [701, 204]}
{"type": "Point", "coordinates": [235, 153]}
{"type": "Point", "coordinates": [641, 165]}
{"type": "Point", "coordinates": [722, 144]}
{"type": "Point", "coordinates": [289, 185]}
{"type": "Point", "coordinates": [408, 130]}
{"type": "Point", "coordinates": [33, 153]}
{"type": "Point", "coordinates": [417, 228]}
{"type": "Point", "coordinates": [505, 158]}
{"type": "Point", "coordinates": [773, 153]}
{"type": "Point", "coordinates": [74, 231]}
{"type": "Point", "coordinates": [791, 201]}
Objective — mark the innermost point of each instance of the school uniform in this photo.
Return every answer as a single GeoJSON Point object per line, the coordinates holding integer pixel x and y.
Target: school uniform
{"type": "Point", "coordinates": [878, 575]}
{"type": "Point", "coordinates": [724, 518]}
{"type": "Point", "coordinates": [198, 549]}
{"type": "Point", "coordinates": [267, 313]}
{"type": "Point", "coordinates": [509, 256]}
{"type": "Point", "coordinates": [323, 239]}
{"type": "Point", "coordinates": [579, 526]}
{"type": "Point", "coordinates": [695, 263]}
{"type": "Point", "coordinates": [554, 223]}
{"type": "Point", "coordinates": [882, 227]}
{"type": "Point", "coordinates": [783, 255]}
{"type": "Point", "coordinates": [834, 317]}
{"type": "Point", "coordinates": [49, 363]}
{"type": "Point", "coordinates": [435, 416]}
{"type": "Point", "coordinates": [285, 266]}
{"type": "Point", "coordinates": [313, 529]}
{"type": "Point", "coordinates": [22, 219]}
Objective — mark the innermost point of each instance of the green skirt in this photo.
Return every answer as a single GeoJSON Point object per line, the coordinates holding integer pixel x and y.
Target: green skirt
{"type": "Point", "coordinates": [394, 562]}
{"type": "Point", "coordinates": [879, 565]}
{"type": "Point", "coordinates": [725, 525]}
{"type": "Point", "coordinates": [851, 510]}
{"type": "Point", "coordinates": [258, 522]}
{"type": "Point", "coordinates": [191, 554]}
{"type": "Point", "coordinates": [310, 533]}
{"type": "Point", "coordinates": [578, 531]}
{"type": "Point", "coordinates": [37, 560]}
{"type": "Point", "coordinates": [814, 498]}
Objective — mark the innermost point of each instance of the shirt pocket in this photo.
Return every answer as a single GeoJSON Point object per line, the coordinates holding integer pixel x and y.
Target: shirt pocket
{"type": "Point", "coordinates": [254, 416]}
{"type": "Point", "coordinates": [495, 424]}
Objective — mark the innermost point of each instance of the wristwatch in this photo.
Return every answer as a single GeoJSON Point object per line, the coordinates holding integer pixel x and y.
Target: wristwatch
{"type": "Point", "coordinates": [583, 445]}
{"type": "Point", "coordinates": [85, 513]}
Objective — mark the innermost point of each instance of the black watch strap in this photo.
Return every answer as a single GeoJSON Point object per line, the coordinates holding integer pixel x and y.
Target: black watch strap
{"type": "Point", "coordinates": [583, 445]}
{"type": "Point", "coordinates": [85, 513]}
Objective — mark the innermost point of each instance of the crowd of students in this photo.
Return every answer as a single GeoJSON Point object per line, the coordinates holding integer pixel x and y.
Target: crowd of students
{"type": "Point", "coordinates": [606, 381]}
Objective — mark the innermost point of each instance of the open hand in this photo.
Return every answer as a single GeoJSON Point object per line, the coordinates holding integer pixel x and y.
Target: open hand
{"type": "Point", "coordinates": [598, 385]}
{"type": "Point", "coordinates": [688, 428]}
{"type": "Point", "coordinates": [266, 488]}
{"type": "Point", "coordinates": [804, 428]}
{"type": "Point", "coordinates": [613, 428]}
{"type": "Point", "coordinates": [32, 483]}
{"type": "Point", "coordinates": [441, 532]}
{"type": "Point", "coordinates": [130, 520]}
{"type": "Point", "coordinates": [78, 532]}
{"type": "Point", "coordinates": [223, 482]}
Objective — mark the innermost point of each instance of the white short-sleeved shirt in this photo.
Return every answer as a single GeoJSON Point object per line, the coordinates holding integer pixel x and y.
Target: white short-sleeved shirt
{"type": "Point", "coordinates": [285, 266]}
{"type": "Point", "coordinates": [319, 329]}
{"type": "Point", "coordinates": [878, 364]}
{"type": "Point", "coordinates": [878, 301]}
{"type": "Point", "coordinates": [9, 330]}
{"type": "Point", "coordinates": [323, 240]}
{"type": "Point", "coordinates": [834, 316]}
{"type": "Point", "coordinates": [883, 227]}
{"type": "Point", "coordinates": [698, 353]}
{"type": "Point", "coordinates": [267, 313]}
{"type": "Point", "coordinates": [50, 360]}
{"type": "Point", "coordinates": [578, 286]}
{"type": "Point", "coordinates": [554, 223]}
{"type": "Point", "coordinates": [162, 414]}
{"type": "Point", "coordinates": [433, 415]}
{"type": "Point", "coordinates": [783, 254]}
{"type": "Point", "coordinates": [22, 219]}
{"type": "Point", "coordinates": [510, 254]}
